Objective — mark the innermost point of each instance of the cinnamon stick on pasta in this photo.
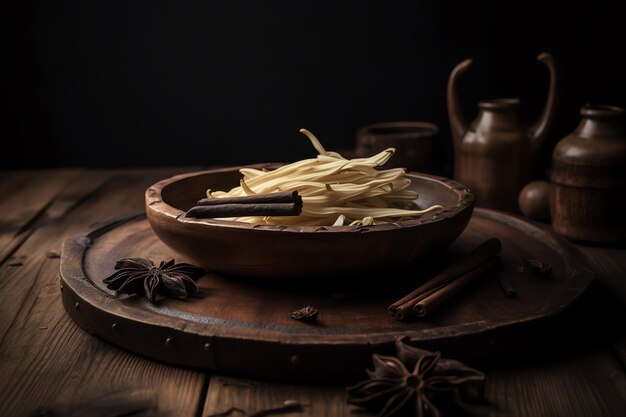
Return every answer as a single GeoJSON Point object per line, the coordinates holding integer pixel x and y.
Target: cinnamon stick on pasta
{"type": "Point", "coordinates": [274, 204]}
{"type": "Point", "coordinates": [271, 198]}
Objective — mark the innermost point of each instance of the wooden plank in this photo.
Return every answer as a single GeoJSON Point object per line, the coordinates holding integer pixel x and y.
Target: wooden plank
{"type": "Point", "coordinates": [48, 363]}
{"type": "Point", "coordinates": [619, 347]}
{"type": "Point", "coordinates": [585, 384]}
{"type": "Point", "coordinates": [570, 371]}
{"type": "Point", "coordinates": [25, 196]}
{"type": "Point", "coordinates": [609, 265]}
{"type": "Point", "coordinates": [589, 384]}
{"type": "Point", "coordinates": [252, 396]}
{"type": "Point", "coordinates": [18, 277]}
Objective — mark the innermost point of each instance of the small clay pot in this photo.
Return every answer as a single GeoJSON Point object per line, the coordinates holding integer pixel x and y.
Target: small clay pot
{"type": "Point", "coordinates": [534, 201]}
{"type": "Point", "coordinates": [414, 143]}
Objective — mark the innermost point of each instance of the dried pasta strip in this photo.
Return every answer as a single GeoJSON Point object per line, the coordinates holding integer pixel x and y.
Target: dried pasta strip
{"type": "Point", "coordinates": [334, 190]}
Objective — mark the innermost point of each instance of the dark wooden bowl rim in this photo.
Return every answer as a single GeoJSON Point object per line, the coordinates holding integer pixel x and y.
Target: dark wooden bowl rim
{"type": "Point", "coordinates": [155, 202]}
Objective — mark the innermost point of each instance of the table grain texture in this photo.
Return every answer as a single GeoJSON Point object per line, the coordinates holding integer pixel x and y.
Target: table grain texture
{"type": "Point", "coordinates": [51, 367]}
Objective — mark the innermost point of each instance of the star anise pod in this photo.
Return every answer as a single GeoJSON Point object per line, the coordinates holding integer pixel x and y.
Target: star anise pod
{"type": "Point", "coordinates": [140, 276]}
{"type": "Point", "coordinates": [306, 314]}
{"type": "Point", "coordinates": [416, 380]}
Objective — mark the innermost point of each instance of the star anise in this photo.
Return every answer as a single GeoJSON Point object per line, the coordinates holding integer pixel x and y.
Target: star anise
{"type": "Point", "coordinates": [140, 276]}
{"type": "Point", "coordinates": [307, 314]}
{"type": "Point", "coordinates": [416, 380]}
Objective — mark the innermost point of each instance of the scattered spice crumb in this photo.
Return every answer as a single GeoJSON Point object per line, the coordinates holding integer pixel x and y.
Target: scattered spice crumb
{"type": "Point", "coordinates": [537, 267]}
{"type": "Point", "coordinates": [306, 314]}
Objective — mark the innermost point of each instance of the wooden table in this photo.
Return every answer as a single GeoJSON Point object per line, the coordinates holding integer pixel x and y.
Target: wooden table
{"type": "Point", "coordinates": [49, 366]}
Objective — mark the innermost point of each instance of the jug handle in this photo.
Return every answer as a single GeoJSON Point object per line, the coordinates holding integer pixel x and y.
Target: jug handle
{"type": "Point", "coordinates": [458, 123]}
{"type": "Point", "coordinates": [539, 130]}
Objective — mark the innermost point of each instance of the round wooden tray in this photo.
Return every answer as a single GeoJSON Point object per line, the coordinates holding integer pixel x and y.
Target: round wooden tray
{"type": "Point", "coordinates": [242, 326]}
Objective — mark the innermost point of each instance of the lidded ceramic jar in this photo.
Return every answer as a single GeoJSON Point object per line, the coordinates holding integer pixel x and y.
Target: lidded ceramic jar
{"type": "Point", "coordinates": [588, 191]}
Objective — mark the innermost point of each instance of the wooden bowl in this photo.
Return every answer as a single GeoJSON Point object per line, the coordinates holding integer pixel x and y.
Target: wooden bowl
{"type": "Point", "coordinates": [290, 252]}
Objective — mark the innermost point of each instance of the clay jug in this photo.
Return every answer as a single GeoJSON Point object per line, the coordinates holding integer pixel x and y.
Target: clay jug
{"type": "Point", "coordinates": [497, 154]}
{"type": "Point", "coordinates": [588, 190]}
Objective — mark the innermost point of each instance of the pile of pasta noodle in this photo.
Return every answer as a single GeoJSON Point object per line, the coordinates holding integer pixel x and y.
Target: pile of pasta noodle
{"type": "Point", "coordinates": [335, 190]}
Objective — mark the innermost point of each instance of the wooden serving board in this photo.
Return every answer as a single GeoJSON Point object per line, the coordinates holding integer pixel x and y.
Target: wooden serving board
{"type": "Point", "coordinates": [242, 326]}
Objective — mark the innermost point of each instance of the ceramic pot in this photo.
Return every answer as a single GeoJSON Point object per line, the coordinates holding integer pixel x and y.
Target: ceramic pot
{"type": "Point", "coordinates": [497, 154]}
{"type": "Point", "coordinates": [414, 143]}
{"type": "Point", "coordinates": [588, 191]}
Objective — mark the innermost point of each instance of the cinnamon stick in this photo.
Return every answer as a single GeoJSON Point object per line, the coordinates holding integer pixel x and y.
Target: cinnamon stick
{"type": "Point", "coordinates": [281, 197]}
{"type": "Point", "coordinates": [241, 210]}
{"type": "Point", "coordinates": [406, 309]}
{"type": "Point", "coordinates": [428, 304]}
{"type": "Point", "coordinates": [485, 251]}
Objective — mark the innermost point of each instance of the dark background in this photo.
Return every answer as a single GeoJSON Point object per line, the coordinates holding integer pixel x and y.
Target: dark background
{"type": "Point", "coordinates": [148, 83]}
